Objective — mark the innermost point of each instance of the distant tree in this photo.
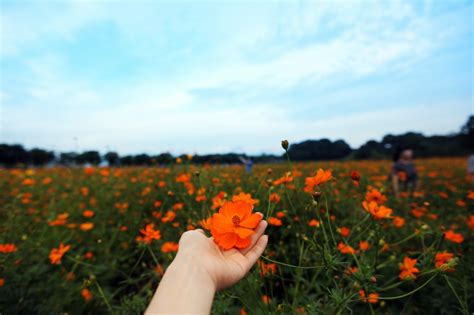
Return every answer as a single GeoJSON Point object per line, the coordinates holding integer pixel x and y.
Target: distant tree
{"type": "Point", "coordinates": [467, 134]}
{"type": "Point", "coordinates": [12, 155]}
{"type": "Point", "coordinates": [68, 158]}
{"type": "Point", "coordinates": [40, 157]}
{"type": "Point", "coordinates": [112, 158]}
{"type": "Point", "coordinates": [91, 157]}
{"type": "Point", "coordinates": [126, 160]}
{"type": "Point", "coordinates": [142, 159]}
{"type": "Point", "coordinates": [163, 158]}
{"type": "Point", "coordinates": [322, 149]}
{"type": "Point", "coordinates": [372, 150]}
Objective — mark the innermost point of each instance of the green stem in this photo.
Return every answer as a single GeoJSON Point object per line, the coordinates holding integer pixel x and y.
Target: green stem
{"type": "Point", "coordinates": [456, 295]}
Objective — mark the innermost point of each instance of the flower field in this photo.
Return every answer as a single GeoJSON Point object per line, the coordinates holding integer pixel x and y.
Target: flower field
{"type": "Point", "coordinates": [97, 240]}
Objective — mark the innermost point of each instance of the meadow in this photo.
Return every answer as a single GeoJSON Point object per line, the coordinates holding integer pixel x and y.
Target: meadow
{"type": "Point", "coordinates": [86, 240]}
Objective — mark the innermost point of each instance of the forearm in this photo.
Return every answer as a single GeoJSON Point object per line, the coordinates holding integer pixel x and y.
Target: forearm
{"type": "Point", "coordinates": [184, 289]}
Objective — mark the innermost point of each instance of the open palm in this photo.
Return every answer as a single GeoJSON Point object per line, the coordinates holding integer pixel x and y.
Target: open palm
{"type": "Point", "coordinates": [225, 267]}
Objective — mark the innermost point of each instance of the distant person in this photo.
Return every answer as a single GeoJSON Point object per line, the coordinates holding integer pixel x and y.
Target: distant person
{"type": "Point", "coordinates": [248, 163]}
{"type": "Point", "coordinates": [404, 175]}
{"type": "Point", "coordinates": [470, 168]}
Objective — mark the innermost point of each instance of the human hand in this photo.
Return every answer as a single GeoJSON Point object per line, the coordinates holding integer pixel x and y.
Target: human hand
{"type": "Point", "coordinates": [224, 268]}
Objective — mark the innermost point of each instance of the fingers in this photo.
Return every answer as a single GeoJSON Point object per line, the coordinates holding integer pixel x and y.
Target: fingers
{"type": "Point", "coordinates": [256, 251]}
{"type": "Point", "coordinates": [200, 231]}
{"type": "Point", "coordinates": [258, 232]}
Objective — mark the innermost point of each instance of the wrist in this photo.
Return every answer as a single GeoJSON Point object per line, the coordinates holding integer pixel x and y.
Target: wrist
{"type": "Point", "coordinates": [188, 267]}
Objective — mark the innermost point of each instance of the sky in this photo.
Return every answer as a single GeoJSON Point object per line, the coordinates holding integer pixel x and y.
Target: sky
{"type": "Point", "coordinates": [214, 77]}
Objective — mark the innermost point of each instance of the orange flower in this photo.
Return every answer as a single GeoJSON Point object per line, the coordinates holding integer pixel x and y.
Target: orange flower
{"type": "Point", "coordinates": [234, 224]}
{"type": "Point", "coordinates": [275, 198]}
{"type": "Point", "coordinates": [376, 196]}
{"type": "Point", "coordinates": [86, 226]}
{"type": "Point", "coordinates": [442, 258]}
{"type": "Point", "coordinates": [453, 237]}
{"type": "Point", "coordinates": [169, 247]}
{"type": "Point", "coordinates": [470, 222]}
{"type": "Point", "coordinates": [283, 180]}
{"type": "Point", "coordinates": [205, 224]}
{"type": "Point", "coordinates": [314, 223]}
{"type": "Point", "coordinates": [88, 213]}
{"type": "Point", "coordinates": [398, 222]}
{"type": "Point", "coordinates": [57, 253]}
{"type": "Point", "coordinates": [408, 269]}
{"type": "Point", "coordinates": [169, 217]}
{"type": "Point", "coordinates": [373, 297]}
{"type": "Point", "coordinates": [266, 268]}
{"type": "Point", "coordinates": [376, 210]}
{"type": "Point", "coordinates": [321, 177]}
{"type": "Point", "coordinates": [2, 282]}
{"type": "Point", "coordinates": [7, 248]}
{"type": "Point", "coordinates": [245, 197]}
{"type": "Point", "coordinates": [345, 249]}
{"type": "Point", "coordinates": [149, 234]}
{"type": "Point", "coordinates": [274, 221]}
{"type": "Point", "coordinates": [86, 294]}
{"type": "Point", "coordinates": [344, 231]}
{"type": "Point", "coordinates": [364, 245]}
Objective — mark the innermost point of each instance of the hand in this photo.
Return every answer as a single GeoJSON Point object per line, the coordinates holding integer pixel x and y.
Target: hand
{"type": "Point", "coordinates": [224, 268]}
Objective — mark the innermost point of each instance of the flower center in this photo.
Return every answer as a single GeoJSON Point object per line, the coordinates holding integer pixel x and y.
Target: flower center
{"type": "Point", "coordinates": [236, 220]}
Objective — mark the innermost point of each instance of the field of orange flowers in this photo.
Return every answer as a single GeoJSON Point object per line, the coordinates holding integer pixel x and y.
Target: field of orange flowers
{"type": "Point", "coordinates": [97, 240]}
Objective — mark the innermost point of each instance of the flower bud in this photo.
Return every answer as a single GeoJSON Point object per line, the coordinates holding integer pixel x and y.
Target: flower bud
{"type": "Point", "coordinates": [285, 144]}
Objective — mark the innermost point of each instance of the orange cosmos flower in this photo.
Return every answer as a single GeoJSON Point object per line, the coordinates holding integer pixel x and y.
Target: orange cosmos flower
{"type": "Point", "coordinates": [363, 245]}
{"type": "Point", "coordinates": [470, 221]}
{"type": "Point", "coordinates": [234, 224]}
{"type": "Point", "coordinates": [86, 294]}
{"type": "Point", "coordinates": [57, 254]}
{"type": "Point", "coordinates": [88, 213]}
{"type": "Point", "coordinates": [454, 237]}
{"type": "Point", "coordinates": [345, 249]}
{"type": "Point", "coordinates": [274, 197]}
{"type": "Point", "coordinates": [398, 222]}
{"type": "Point", "coordinates": [7, 248]}
{"type": "Point", "coordinates": [344, 231]}
{"type": "Point", "coordinates": [442, 258]}
{"type": "Point", "coordinates": [283, 180]}
{"type": "Point", "coordinates": [321, 177]}
{"type": "Point", "coordinates": [169, 217]}
{"type": "Point", "coordinates": [314, 223]}
{"type": "Point", "coordinates": [373, 297]}
{"type": "Point", "coordinates": [377, 211]}
{"type": "Point", "coordinates": [245, 197]}
{"type": "Point", "coordinates": [408, 269]}
{"type": "Point", "coordinates": [376, 196]}
{"type": "Point", "coordinates": [86, 226]}
{"type": "Point", "coordinates": [169, 247]}
{"type": "Point", "coordinates": [149, 234]}
{"type": "Point", "coordinates": [274, 221]}
{"type": "Point", "coordinates": [2, 282]}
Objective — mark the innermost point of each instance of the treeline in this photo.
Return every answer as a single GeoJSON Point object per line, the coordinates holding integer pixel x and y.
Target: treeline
{"type": "Point", "coordinates": [458, 144]}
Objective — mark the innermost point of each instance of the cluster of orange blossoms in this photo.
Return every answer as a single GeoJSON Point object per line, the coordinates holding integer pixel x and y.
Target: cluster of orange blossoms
{"type": "Point", "coordinates": [7, 248]}
{"type": "Point", "coordinates": [234, 224]}
{"type": "Point", "coordinates": [57, 254]}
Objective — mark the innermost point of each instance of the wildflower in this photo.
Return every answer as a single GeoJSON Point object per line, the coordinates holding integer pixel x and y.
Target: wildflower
{"type": "Point", "coordinates": [442, 259]}
{"type": "Point", "coordinates": [321, 177]}
{"type": "Point", "coordinates": [57, 254]}
{"type": "Point", "coordinates": [234, 224]}
{"type": "Point", "coordinates": [266, 268]}
{"type": "Point", "coordinates": [169, 217]}
{"type": "Point", "coordinates": [376, 210]}
{"type": "Point", "coordinates": [87, 226]}
{"type": "Point", "coordinates": [345, 249]}
{"type": "Point", "coordinates": [314, 223]}
{"type": "Point", "coordinates": [470, 222]}
{"type": "Point", "coordinates": [86, 294]}
{"type": "Point", "coordinates": [88, 213]}
{"type": "Point", "coordinates": [408, 269]}
{"type": "Point", "coordinates": [274, 198]}
{"type": "Point", "coordinates": [376, 196]}
{"type": "Point", "coordinates": [363, 245]}
{"type": "Point", "coordinates": [355, 176]}
{"type": "Point", "coordinates": [8, 248]}
{"type": "Point", "coordinates": [280, 214]}
{"type": "Point", "coordinates": [398, 222]}
{"type": "Point", "coordinates": [169, 247]}
{"type": "Point", "coordinates": [283, 180]}
{"type": "Point", "coordinates": [285, 144]}
{"type": "Point", "coordinates": [372, 298]}
{"type": "Point", "coordinates": [149, 234]}
{"type": "Point", "coordinates": [274, 221]}
{"type": "Point", "coordinates": [2, 282]}
{"type": "Point", "coordinates": [344, 231]}
{"type": "Point", "coordinates": [244, 197]}
{"type": "Point", "coordinates": [454, 237]}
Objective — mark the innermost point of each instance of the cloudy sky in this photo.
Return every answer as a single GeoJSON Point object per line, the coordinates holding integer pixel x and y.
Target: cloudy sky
{"type": "Point", "coordinates": [200, 77]}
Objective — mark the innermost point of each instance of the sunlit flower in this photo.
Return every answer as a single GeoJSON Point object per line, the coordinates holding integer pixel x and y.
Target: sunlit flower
{"type": "Point", "coordinates": [321, 177]}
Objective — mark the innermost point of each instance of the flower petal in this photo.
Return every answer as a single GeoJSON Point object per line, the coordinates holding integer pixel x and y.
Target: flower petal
{"type": "Point", "coordinates": [243, 233]}
{"type": "Point", "coordinates": [252, 221]}
{"type": "Point", "coordinates": [242, 242]}
{"type": "Point", "coordinates": [226, 240]}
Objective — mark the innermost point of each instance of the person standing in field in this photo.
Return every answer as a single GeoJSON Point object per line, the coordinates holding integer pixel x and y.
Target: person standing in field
{"type": "Point", "coordinates": [470, 168]}
{"type": "Point", "coordinates": [404, 175]}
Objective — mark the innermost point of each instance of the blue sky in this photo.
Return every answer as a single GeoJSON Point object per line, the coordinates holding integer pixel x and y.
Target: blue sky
{"type": "Point", "coordinates": [200, 77]}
